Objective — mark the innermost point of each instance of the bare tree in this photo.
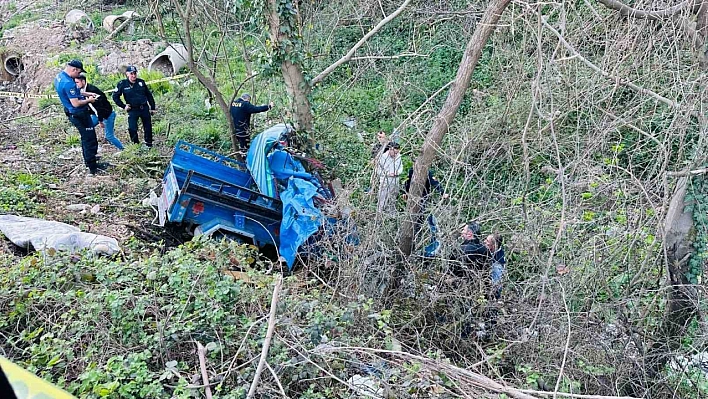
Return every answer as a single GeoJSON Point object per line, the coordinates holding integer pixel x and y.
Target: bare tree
{"type": "Point", "coordinates": [442, 122]}
{"type": "Point", "coordinates": [284, 28]}
{"type": "Point", "coordinates": [697, 31]}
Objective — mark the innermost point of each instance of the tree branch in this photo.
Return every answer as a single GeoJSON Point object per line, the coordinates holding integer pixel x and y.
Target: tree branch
{"type": "Point", "coordinates": [688, 172]}
{"type": "Point", "coordinates": [347, 57]}
{"type": "Point", "coordinates": [388, 57]}
{"type": "Point", "coordinates": [268, 337]}
{"type": "Point", "coordinates": [201, 351]}
{"type": "Point", "coordinates": [623, 82]}
{"type": "Point", "coordinates": [627, 11]}
{"type": "Point", "coordinates": [441, 124]}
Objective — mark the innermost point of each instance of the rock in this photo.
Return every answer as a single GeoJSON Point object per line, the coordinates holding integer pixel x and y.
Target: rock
{"type": "Point", "coordinates": [95, 209]}
{"type": "Point", "coordinates": [78, 207]}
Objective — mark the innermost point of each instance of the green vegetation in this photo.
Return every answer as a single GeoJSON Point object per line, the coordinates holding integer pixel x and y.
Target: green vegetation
{"type": "Point", "coordinates": [568, 165]}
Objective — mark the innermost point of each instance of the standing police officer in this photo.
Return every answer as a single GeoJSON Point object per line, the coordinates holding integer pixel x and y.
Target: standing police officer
{"type": "Point", "coordinates": [139, 103]}
{"type": "Point", "coordinates": [241, 111]}
{"type": "Point", "coordinates": [77, 110]}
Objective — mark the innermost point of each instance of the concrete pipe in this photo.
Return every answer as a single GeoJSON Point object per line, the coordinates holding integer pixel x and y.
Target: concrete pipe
{"type": "Point", "coordinates": [13, 64]}
{"type": "Point", "coordinates": [170, 61]}
{"type": "Point", "coordinates": [78, 17]}
{"type": "Point", "coordinates": [111, 22]}
{"type": "Point", "coordinates": [130, 14]}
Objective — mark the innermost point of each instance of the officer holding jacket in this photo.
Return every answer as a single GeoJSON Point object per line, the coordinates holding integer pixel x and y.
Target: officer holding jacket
{"type": "Point", "coordinates": [139, 104]}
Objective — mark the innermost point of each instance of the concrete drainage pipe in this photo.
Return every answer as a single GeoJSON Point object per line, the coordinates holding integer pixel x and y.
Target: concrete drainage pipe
{"type": "Point", "coordinates": [78, 17]}
{"type": "Point", "coordinates": [170, 61]}
{"type": "Point", "coordinates": [13, 64]}
{"type": "Point", "coordinates": [112, 22]}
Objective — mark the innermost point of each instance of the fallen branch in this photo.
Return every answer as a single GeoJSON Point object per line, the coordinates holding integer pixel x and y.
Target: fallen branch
{"type": "Point", "coordinates": [388, 57]}
{"type": "Point", "coordinates": [277, 380]}
{"type": "Point", "coordinates": [24, 116]}
{"type": "Point", "coordinates": [627, 11]}
{"type": "Point", "coordinates": [268, 337]}
{"type": "Point", "coordinates": [201, 351]}
{"type": "Point", "coordinates": [682, 173]}
{"type": "Point", "coordinates": [473, 378]}
{"type": "Point", "coordinates": [347, 57]}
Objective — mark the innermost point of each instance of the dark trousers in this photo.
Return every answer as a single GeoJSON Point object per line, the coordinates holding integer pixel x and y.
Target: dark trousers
{"type": "Point", "coordinates": [89, 144]}
{"type": "Point", "coordinates": [141, 112]}
{"type": "Point", "coordinates": [243, 141]}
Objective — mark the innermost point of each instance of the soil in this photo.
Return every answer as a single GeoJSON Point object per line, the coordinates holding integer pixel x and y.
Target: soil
{"type": "Point", "coordinates": [26, 146]}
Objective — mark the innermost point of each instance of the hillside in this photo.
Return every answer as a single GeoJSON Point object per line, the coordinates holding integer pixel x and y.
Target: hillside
{"type": "Point", "coordinates": [581, 139]}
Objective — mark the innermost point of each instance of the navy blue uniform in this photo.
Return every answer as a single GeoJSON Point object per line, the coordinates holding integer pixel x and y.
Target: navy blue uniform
{"type": "Point", "coordinates": [80, 117]}
{"type": "Point", "coordinates": [140, 99]}
{"type": "Point", "coordinates": [241, 111]}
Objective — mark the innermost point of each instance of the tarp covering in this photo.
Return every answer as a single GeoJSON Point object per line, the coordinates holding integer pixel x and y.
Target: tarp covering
{"type": "Point", "coordinates": [301, 218]}
{"type": "Point", "coordinates": [257, 161]}
{"type": "Point", "coordinates": [44, 234]}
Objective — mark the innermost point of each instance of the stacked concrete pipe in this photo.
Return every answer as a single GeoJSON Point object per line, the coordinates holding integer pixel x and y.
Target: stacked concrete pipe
{"type": "Point", "coordinates": [169, 61]}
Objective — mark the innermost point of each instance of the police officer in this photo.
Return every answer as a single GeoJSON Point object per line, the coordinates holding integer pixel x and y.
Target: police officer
{"type": "Point", "coordinates": [241, 111]}
{"type": "Point", "coordinates": [77, 110]}
{"type": "Point", "coordinates": [139, 103]}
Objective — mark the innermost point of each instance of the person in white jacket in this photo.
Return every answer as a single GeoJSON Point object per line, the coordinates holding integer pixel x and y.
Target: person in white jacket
{"type": "Point", "coordinates": [389, 168]}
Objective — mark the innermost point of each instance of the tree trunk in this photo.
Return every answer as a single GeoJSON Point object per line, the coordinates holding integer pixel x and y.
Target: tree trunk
{"type": "Point", "coordinates": [297, 86]}
{"type": "Point", "coordinates": [476, 44]}
{"type": "Point", "coordinates": [208, 82]}
{"type": "Point", "coordinates": [702, 33]}
{"type": "Point", "coordinates": [299, 91]}
{"type": "Point", "coordinates": [680, 308]}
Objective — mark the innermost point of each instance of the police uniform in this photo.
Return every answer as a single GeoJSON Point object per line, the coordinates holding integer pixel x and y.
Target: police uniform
{"type": "Point", "coordinates": [141, 102]}
{"type": "Point", "coordinates": [80, 117]}
{"type": "Point", "coordinates": [241, 111]}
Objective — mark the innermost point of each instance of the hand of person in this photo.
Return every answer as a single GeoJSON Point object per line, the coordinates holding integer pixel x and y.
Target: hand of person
{"type": "Point", "coordinates": [152, 111]}
{"type": "Point", "coordinates": [127, 107]}
{"type": "Point", "coordinates": [91, 99]}
{"type": "Point", "coordinates": [103, 125]}
{"type": "Point", "coordinates": [271, 104]}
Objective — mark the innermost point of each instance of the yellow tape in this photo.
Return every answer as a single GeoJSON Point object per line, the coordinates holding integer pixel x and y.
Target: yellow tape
{"type": "Point", "coordinates": [27, 385]}
{"type": "Point", "coordinates": [28, 95]}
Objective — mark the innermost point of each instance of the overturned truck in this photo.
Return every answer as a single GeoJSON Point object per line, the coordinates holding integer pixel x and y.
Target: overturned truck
{"type": "Point", "coordinates": [271, 199]}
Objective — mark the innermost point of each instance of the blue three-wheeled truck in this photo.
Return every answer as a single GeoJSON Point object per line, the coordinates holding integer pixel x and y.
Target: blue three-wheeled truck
{"type": "Point", "coordinates": [269, 199]}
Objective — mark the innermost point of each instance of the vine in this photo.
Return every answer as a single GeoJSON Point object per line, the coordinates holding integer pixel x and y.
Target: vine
{"type": "Point", "coordinates": [698, 197]}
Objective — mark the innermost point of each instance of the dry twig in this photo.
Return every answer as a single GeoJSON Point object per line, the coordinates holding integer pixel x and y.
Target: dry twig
{"type": "Point", "coordinates": [201, 351]}
{"type": "Point", "coordinates": [268, 337]}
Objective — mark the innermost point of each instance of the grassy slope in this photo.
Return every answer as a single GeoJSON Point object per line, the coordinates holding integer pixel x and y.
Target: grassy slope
{"type": "Point", "coordinates": [97, 325]}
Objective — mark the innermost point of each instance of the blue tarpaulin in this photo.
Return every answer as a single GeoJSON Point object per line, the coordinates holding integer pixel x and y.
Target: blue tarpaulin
{"type": "Point", "coordinates": [301, 218]}
{"type": "Point", "coordinates": [257, 158]}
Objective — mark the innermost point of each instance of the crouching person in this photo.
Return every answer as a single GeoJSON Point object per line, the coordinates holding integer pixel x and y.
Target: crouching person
{"type": "Point", "coordinates": [493, 242]}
